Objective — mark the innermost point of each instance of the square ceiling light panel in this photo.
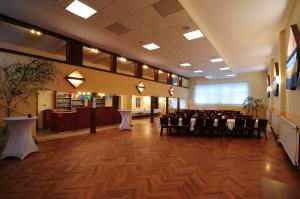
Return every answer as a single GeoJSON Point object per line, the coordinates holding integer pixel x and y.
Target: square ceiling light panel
{"type": "Point", "coordinates": [217, 59]}
{"type": "Point", "coordinates": [151, 46]}
{"type": "Point", "coordinates": [80, 9]}
{"type": "Point", "coordinates": [193, 35]}
{"type": "Point", "coordinates": [185, 64]}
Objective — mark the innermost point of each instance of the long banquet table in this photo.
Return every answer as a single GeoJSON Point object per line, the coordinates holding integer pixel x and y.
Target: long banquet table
{"type": "Point", "coordinates": [230, 123]}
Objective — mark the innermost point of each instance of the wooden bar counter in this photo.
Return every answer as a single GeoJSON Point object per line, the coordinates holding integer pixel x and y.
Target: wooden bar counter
{"type": "Point", "coordinates": [80, 119]}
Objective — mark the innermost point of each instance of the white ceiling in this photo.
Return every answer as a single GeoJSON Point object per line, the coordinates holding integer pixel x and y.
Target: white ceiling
{"type": "Point", "coordinates": [242, 31]}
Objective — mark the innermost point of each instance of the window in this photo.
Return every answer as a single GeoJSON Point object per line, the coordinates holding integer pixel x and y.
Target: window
{"type": "Point", "coordinates": [185, 82]}
{"type": "Point", "coordinates": [95, 58]}
{"type": "Point", "coordinates": [148, 72]}
{"type": "Point", "coordinates": [228, 93]}
{"type": "Point", "coordinates": [31, 41]}
{"type": "Point", "coordinates": [173, 103]}
{"type": "Point", "coordinates": [125, 66]}
{"type": "Point", "coordinates": [182, 103]}
{"type": "Point", "coordinates": [162, 76]}
{"type": "Point", "coordinates": [175, 80]}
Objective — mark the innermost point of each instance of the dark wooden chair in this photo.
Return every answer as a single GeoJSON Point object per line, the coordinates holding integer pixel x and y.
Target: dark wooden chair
{"type": "Point", "coordinates": [209, 125]}
{"type": "Point", "coordinates": [239, 126]}
{"type": "Point", "coordinates": [262, 127]}
{"type": "Point", "coordinates": [174, 124]}
{"type": "Point", "coordinates": [199, 125]}
{"type": "Point", "coordinates": [222, 126]}
{"type": "Point", "coordinates": [164, 124]}
{"type": "Point", "coordinates": [186, 123]}
{"type": "Point", "coordinates": [250, 123]}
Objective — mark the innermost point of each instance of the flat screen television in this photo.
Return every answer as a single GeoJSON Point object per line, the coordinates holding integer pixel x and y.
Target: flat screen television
{"type": "Point", "coordinates": [292, 63]}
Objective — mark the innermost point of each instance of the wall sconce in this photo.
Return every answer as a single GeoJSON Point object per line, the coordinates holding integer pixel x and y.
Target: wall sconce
{"type": "Point", "coordinates": [276, 81]}
{"type": "Point", "coordinates": [75, 78]}
{"type": "Point", "coordinates": [171, 91]}
{"type": "Point", "coordinates": [140, 87]}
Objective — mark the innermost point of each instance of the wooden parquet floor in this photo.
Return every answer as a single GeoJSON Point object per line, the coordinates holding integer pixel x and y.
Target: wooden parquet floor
{"type": "Point", "coordinates": [141, 164]}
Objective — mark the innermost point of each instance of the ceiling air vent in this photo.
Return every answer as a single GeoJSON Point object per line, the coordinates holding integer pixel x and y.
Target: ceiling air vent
{"type": "Point", "coordinates": [167, 7]}
{"type": "Point", "coordinates": [117, 28]}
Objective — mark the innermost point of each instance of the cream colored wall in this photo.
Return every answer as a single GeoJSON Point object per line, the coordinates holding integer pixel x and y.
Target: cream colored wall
{"type": "Point", "coordinates": [96, 81]}
{"type": "Point", "coordinates": [287, 104]}
{"type": "Point", "coordinates": [257, 88]}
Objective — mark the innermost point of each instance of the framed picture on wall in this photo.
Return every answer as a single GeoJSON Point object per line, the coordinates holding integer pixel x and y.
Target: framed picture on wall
{"type": "Point", "coordinates": [268, 86]}
{"type": "Point", "coordinates": [292, 63]}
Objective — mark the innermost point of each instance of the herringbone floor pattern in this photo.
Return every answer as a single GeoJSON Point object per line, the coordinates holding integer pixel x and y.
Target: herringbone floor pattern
{"type": "Point", "coordinates": [141, 164]}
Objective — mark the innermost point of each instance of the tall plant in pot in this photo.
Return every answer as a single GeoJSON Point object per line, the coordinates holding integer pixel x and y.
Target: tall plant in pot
{"type": "Point", "coordinates": [19, 81]}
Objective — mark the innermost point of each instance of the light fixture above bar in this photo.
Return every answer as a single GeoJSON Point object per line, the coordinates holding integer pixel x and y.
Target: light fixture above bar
{"type": "Point", "coordinates": [80, 9]}
{"type": "Point", "coordinates": [208, 77]}
{"type": "Point", "coordinates": [151, 46]}
{"type": "Point", "coordinates": [193, 35]}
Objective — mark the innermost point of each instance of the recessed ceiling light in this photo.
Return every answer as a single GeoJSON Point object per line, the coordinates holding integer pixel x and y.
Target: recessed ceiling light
{"type": "Point", "coordinates": [198, 71]}
{"type": "Point", "coordinates": [145, 66]}
{"type": "Point", "coordinates": [225, 68]}
{"type": "Point", "coordinates": [151, 46]}
{"type": "Point", "coordinates": [185, 64]}
{"type": "Point", "coordinates": [231, 75]}
{"type": "Point", "coordinates": [193, 35]}
{"type": "Point", "coordinates": [208, 77]}
{"type": "Point", "coordinates": [217, 59]}
{"type": "Point", "coordinates": [35, 32]}
{"type": "Point", "coordinates": [81, 9]}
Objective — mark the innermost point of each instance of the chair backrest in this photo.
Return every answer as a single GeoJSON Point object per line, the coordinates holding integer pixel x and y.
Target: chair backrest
{"type": "Point", "coordinates": [222, 122]}
{"type": "Point", "coordinates": [239, 123]}
{"type": "Point", "coordinates": [262, 124]}
{"type": "Point", "coordinates": [209, 122]}
{"type": "Point", "coordinates": [164, 121]}
{"type": "Point", "coordinates": [199, 122]}
{"type": "Point", "coordinates": [186, 121]}
{"type": "Point", "coordinates": [250, 123]}
{"type": "Point", "coordinates": [174, 121]}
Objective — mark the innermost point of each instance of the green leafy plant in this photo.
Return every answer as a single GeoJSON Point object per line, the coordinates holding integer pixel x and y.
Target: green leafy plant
{"type": "Point", "coordinates": [19, 81]}
{"type": "Point", "coordinates": [253, 105]}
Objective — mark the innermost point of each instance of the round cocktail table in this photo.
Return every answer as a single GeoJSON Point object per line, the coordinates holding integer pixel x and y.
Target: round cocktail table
{"type": "Point", "coordinates": [20, 142]}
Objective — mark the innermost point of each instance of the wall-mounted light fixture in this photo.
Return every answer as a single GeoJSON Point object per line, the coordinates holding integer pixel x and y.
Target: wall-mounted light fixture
{"type": "Point", "coordinates": [276, 82]}
{"type": "Point", "coordinates": [268, 86]}
{"type": "Point", "coordinates": [140, 87]}
{"type": "Point", "coordinates": [75, 78]}
{"type": "Point", "coordinates": [171, 91]}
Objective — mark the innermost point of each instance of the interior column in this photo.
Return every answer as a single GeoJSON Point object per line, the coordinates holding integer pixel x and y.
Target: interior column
{"type": "Point", "coordinates": [152, 109]}
{"type": "Point", "coordinates": [93, 113]}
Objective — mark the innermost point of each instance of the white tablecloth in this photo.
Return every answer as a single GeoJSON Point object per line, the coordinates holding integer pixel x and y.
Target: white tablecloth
{"type": "Point", "coordinates": [125, 124]}
{"type": "Point", "coordinates": [230, 123]}
{"type": "Point", "coordinates": [20, 142]}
